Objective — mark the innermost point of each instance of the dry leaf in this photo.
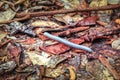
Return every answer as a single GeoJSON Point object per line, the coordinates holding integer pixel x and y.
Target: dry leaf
{"type": "Point", "coordinates": [99, 3]}
{"type": "Point", "coordinates": [116, 44]}
{"type": "Point", "coordinates": [7, 15]}
{"type": "Point", "coordinates": [2, 35]}
{"type": "Point", "coordinates": [68, 4]}
{"type": "Point", "coordinates": [41, 23]}
{"type": "Point", "coordinates": [37, 59]}
{"type": "Point", "coordinates": [55, 72]}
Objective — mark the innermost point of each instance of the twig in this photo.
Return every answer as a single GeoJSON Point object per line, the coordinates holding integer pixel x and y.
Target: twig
{"type": "Point", "coordinates": [106, 63]}
{"type": "Point", "coordinates": [44, 13]}
{"type": "Point", "coordinates": [17, 19]}
{"type": "Point", "coordinates": [71, 31]}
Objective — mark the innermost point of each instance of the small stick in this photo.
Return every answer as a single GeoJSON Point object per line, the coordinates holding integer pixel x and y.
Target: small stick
{"type": "Point", "coordinates": [44, 13]}
{"type": "Point", "coordinates": [70, 31]}
{"type": "Point", "coordinates": [17, 19]}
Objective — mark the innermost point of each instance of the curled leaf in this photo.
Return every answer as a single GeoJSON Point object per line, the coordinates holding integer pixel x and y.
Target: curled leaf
{"type": "Point", "coordinates": [7, 67]}
{"type": "Point", "coordinates": [72, 73]}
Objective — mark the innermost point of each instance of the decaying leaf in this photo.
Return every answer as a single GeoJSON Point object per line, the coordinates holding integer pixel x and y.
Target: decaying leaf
{"type": "Point", "coordinates": [51, 62]}
{"type": "Point", "coordinates": [7, 67]}
{"type": "Point", "coordinates": [67, 19]}
{"type": "Point", "coordinates": [107, 75]}
{"type": "Point", "coordinates": [33, 77]}
{"type": "Point", "coordinates": [41, 23]}
{"type": "Point", "coordinates": [75, 60]}
{"type": "Point", "coordinates": [14, 51]}
{"type": "Point", "coordinates": [116, 44]}
{"type": "Point", "coordinates": [37, 59]}
{"type": "Point", "coordinates": [2, 35]}
{"type": "Point", "coordinates": [55, 60]}
{"type": "Point", "coordinates": [16, 27]}
{"type": "Point", "coordinates": [84, 60]}
{"type": "Point", "coordinates": [99, 3]}
{"type": "Point", "coordinates": [88, 21]}
{"type": "Point", "coordinates": [26, 69]}
{"type": "Point", "coordinates": [55, 72]}
{"type": "Point", "coordinates": [107, 64]}
{"type": "Point", "coordinates": [7, 15]}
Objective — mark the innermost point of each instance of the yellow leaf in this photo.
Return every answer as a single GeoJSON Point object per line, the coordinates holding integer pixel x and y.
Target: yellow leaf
{"type": "Point", "coordinates": [72, 73]}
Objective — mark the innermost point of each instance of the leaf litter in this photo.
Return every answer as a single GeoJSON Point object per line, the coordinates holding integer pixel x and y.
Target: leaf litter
{"type": "Point", "coordinates": [26, 53]}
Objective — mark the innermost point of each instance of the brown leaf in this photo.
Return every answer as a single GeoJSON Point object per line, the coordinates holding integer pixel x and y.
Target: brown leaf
{"type": "Point", "coordinates": [15, 51]}
{"type": "Point", "coordinates": [87, 21]}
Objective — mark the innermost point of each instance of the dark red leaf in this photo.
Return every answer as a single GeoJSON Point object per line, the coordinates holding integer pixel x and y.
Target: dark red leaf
{"type": "Point", "coordinates": [29, 41]}
{"type": "Point", "coordinates": [59, 47]}
{"type": "Point", "coordinates": [87, 21]}
{"type": "Point", "coordinates": [56, 48]}
{"type": "Point", "coordinates": [77, 40]}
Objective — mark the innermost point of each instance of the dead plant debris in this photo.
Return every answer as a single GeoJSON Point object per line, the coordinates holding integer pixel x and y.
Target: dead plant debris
{"type": "Point", "coordinates": [73, 27]}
